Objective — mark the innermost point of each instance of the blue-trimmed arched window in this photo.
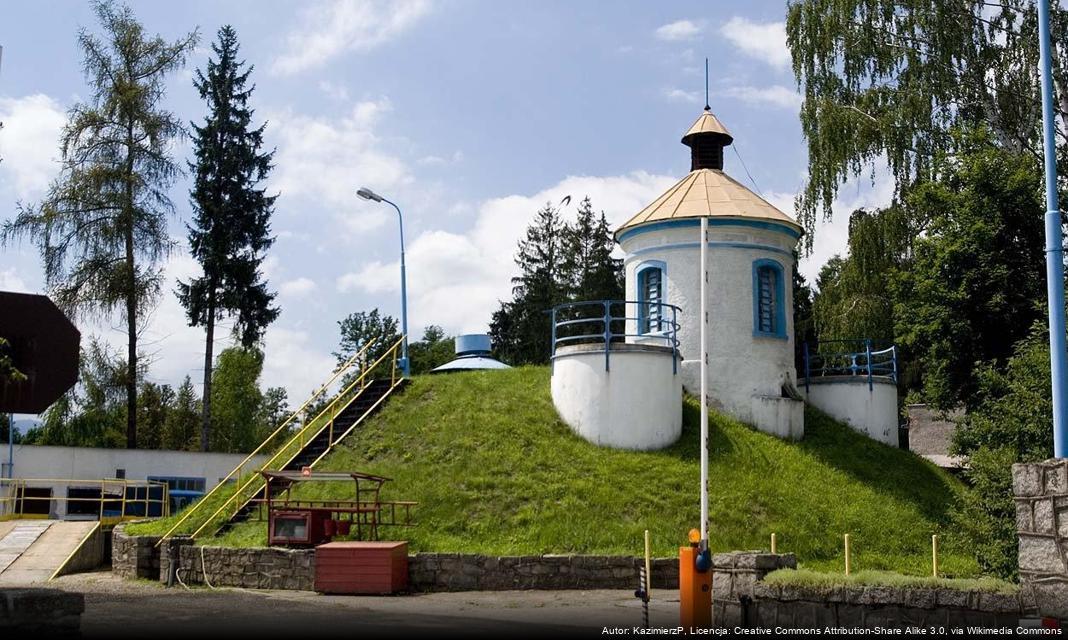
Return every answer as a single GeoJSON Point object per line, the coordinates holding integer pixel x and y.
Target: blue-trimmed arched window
{"type": "Point", "coordinates": [769, 299]}
{"type": "Point", "coordinates": [651, 288]}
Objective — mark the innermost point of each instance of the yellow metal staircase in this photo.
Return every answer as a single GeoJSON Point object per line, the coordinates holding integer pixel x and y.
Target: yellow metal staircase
{"type": "Point", "coordinates": [236, 495]}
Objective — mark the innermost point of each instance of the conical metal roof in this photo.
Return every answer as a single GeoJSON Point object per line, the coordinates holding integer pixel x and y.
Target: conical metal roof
{"type": "Point", "coordinates": [709, 192]}
{"type": "Point", "coordinates": [707, 122]}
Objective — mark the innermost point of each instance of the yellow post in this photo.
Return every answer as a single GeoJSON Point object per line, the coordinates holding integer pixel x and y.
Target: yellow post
{"type": "Point", "coordinates": [934, 555]}
{"type": "Point", "coordinates": [648, 566]}
{"type": "Point", "coordinates": [774, 549]}
{"type": "Point", "coordinates": [847, 554]}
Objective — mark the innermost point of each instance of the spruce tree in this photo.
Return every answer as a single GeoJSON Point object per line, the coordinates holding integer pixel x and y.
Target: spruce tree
{"type": "Point", "coordinates": [536, 290]}
{"type": "Point", "coordinates": [231, 228]}
{"type": "Point", "coordinates": [180, 428]}
{"type": "Point", "coordinates": [102, 227]}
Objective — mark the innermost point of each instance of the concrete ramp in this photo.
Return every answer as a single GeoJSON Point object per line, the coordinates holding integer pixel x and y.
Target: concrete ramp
{"type": "Point", "coordinates": [35, 549]}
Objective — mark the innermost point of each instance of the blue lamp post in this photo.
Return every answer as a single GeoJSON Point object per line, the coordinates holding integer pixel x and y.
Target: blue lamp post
{"type": "Point", "coordinates": [367, 194]}
{"type": "Point", "coordinates": [1054, 247]}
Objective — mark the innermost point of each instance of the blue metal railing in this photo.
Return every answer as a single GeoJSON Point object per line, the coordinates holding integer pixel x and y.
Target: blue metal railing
{"type": "Point", "coordinates": [606, 321]}
{"type": "Point", "coordinates": [868, 362]}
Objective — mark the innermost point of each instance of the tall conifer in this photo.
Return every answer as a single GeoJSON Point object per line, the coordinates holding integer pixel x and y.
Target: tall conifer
{"type": "Point", "coordinates": [230, 233]}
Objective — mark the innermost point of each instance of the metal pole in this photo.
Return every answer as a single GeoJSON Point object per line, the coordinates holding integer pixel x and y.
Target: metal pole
{"type": "Point", "coordinates": [1054, 247]}
{"type": "Point", "coordinates": [405, 367]}
{"type": "Point", "coordinates": [10, 445]}
{"type": "Point", "coordinates": [704, 383]}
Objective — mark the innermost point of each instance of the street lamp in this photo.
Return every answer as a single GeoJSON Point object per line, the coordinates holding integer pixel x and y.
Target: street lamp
{"type": "Point", "coordinates": [367, 194]}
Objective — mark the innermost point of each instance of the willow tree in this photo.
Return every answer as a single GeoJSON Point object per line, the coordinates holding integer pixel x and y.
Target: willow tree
{"type": "Point", "coordinates": [855, 297]}
{"type": "Point", "coordinates": [102, 227]}
{"type": "Point", "coordinates": [890, 80]}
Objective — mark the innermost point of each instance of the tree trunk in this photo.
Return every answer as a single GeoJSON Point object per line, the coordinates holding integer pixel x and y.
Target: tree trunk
{"type": "Point", "coordinates": [205, 418]}
{"type": "Point", "coordinates": [131, 302]}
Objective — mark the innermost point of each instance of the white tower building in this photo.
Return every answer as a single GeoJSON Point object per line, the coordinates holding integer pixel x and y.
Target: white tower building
{"type": "Point", "coordinates": [751, 248]}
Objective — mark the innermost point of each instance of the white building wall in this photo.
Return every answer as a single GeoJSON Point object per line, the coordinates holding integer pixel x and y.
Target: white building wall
{"type": "Point", "coordinates": [87, 463]}
{"type": "Point", "coordinates": [745, 371]}
{"type": "Point", "coordinates": [637, 404]}
{"type": "Point", "coordinates": [848, 399]}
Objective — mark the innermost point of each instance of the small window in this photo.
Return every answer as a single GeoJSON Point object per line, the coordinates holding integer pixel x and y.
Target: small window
{"type": "Point", "coordinates": [120, 474]}
{"type": "Point", "coordinates": [766, 299]}
{"type": "Point", "coordinates": [769, 314]}
{"type": "Point", "coordinates": [650, 299]}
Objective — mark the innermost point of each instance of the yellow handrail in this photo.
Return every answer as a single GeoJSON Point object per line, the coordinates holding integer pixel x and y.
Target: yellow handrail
{"type": "Point", "coordinates": [237, 470]}
{"type": "Point", "coordinates": [14, 505]}
{"type": "Point", "coordinates": [298, 437]}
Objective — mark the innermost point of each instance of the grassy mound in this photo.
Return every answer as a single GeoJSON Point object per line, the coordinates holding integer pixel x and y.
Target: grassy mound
{"type": "Point", "coordinates": [495, 471]}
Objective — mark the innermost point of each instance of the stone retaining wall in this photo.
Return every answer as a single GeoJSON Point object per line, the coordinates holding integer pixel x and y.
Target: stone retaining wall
{"type": "Point", "coordinates": [733, 578]}
{"type": "Point", "coordinates": [295, 569]}
{"type": "Point", "coordinates": [134, 556]}
{"type": "Point", "coordinates": [248, 568]}
{"type": "Point", "coordinates": [1042, 523]}
{"type": "Point", "coordinates": [465, 572]}
{"type": "Point", "coordinates": [873, 607]}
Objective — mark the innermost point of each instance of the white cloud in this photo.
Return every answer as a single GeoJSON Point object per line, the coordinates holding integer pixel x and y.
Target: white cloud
{"type": "Point", "coordinates": [29, 143]}
{"type": "Point", "coordinates": [293, 363]}
{"type": "Point", "coordinates": [334, 91]}
{"type": "Point", "coordinates": [10, 281]}
{"type": "Point", "coordinates": [679, 95]}
{"type": "Point", "coordinates": [297, 288]}
{"type": "Point", "coordinates": [456, 281]}
{"type": "Point", "coordinates": [175, 349]}
{"type": "Point", "coordinates": [322, 161]}
{"type": "Point", "coordinates": [775, 95]}
{"type": "Point", "coordinates": [678, 30]}
{"type": "Point", "coordinates": [763, 41]}
{"type": "Point", "coordinates": [329, 29]}
{"type": "Point", "coordinates": [437, 161]}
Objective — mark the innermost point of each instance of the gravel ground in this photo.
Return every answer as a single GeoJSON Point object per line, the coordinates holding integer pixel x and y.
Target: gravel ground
{"type": "Point", "coordinates": [116, 608]}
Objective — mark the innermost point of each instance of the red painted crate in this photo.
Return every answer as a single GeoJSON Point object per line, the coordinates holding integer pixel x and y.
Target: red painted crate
{"type": "Point", "coordinates": [361, 567]}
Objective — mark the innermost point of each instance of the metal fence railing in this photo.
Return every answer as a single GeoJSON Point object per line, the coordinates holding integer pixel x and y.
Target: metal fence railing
{"type": "Point", "coordinates": [828, 360]}
{"type": "Point", "coordinates": [606, 322]}
{"type": "Point", "coordinates": [108, 500]}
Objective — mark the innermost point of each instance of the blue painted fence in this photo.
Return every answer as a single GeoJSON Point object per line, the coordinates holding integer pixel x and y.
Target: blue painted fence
{"type": "Point", "coordinates": [606, 321]}
{"type": "Point", "coordinates": [841, 360]}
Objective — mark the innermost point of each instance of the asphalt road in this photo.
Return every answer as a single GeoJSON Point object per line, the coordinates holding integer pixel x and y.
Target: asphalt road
{"type": "Point", "coordinates": [116, 608]}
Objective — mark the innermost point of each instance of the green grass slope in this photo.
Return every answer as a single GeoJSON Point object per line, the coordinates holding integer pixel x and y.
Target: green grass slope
{"type": "Point", "coordinates": [495, 471]}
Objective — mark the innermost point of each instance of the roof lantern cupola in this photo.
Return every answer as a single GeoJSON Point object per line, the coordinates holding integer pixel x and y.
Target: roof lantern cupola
{"type": "Point", "coordinates": [706, 140]}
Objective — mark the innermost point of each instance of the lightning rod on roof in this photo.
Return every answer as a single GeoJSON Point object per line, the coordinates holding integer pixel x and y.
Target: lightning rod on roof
{"type": "Point", "coordinates": [707, 104]}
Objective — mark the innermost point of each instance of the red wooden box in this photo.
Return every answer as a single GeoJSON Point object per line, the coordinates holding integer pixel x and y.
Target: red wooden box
{"type": "Point", "coordinates": [361, 567]}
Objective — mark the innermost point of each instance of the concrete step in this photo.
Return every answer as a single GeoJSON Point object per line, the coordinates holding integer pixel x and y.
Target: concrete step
{"type": "Point", "coordinates": [49, 548]}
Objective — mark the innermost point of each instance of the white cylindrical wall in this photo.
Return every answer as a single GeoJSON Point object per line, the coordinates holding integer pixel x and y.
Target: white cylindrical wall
{"type": "Point", "coordinates": [636, 404]}
{"type": "Point", "coordinates": [848, 399]}
{"type": "Point", "coordinates": [742, 365]}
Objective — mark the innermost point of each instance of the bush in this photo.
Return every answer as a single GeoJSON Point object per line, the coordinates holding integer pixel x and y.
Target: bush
{"type": "Point", "coordinates": [1011, 423]}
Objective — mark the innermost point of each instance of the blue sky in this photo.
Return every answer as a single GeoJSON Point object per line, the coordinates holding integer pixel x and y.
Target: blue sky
{"type": "Point", "coordinates": [468, 114]}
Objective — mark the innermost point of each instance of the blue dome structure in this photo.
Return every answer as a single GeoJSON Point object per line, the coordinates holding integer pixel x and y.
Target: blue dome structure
{"type": "Point", "coordinates": [472, 353]}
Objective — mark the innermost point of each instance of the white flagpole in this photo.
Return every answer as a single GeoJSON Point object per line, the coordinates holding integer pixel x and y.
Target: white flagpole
{"type": "Point", "coordinates": [704, 382]}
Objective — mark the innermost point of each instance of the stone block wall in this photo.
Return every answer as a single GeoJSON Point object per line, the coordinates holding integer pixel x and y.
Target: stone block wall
{"type": "Point", "coordinates": [735, 575]}
{"type": "Point", "coordinates": [260, 568]}
{"type": "Point", "coordinates": [467, 572]}
{"type": "Point", "coordinates": [1041, 491]}
{"type": "Point", "coordinates": [295, 569]}
{"type": "Point", "coordinates": [134, 556]}
{"type": "Point", "coordinates": [885, 607]}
